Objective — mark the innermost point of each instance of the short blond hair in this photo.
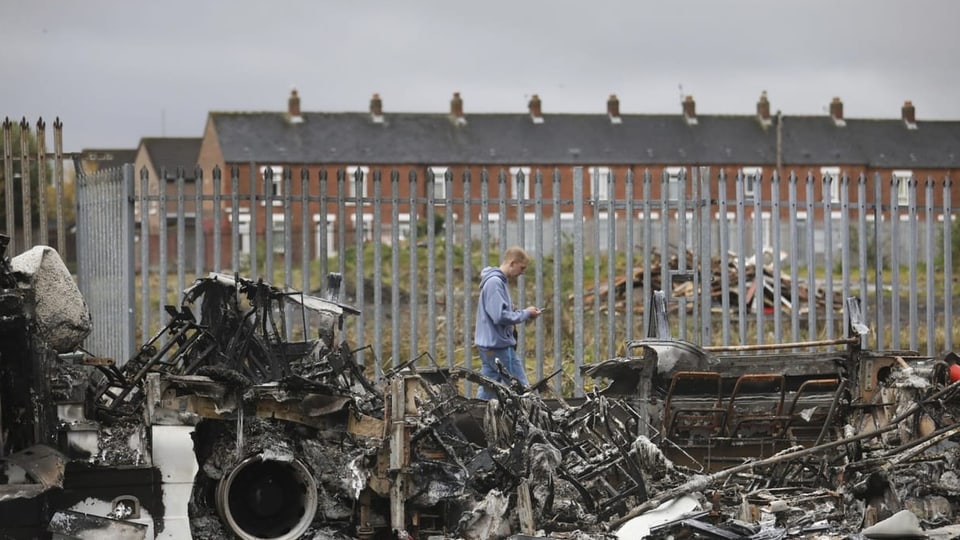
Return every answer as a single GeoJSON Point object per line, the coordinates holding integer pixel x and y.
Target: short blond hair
{"type": "Point", "coordinates": [516, 254]}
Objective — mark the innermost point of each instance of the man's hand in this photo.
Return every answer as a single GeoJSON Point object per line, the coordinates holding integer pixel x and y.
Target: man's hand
{"type": "Point", "coordinates": [533, 311]}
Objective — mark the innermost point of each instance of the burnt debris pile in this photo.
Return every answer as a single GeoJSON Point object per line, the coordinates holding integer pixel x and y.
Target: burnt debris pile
{"type": "Point", "coordinates": [242, 338]}
{"type": "Point", "coordinates": [248, 416]}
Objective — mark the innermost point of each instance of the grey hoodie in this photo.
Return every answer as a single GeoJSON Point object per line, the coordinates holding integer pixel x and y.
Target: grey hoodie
{"type": "Point", "coordinates": [495, 314]}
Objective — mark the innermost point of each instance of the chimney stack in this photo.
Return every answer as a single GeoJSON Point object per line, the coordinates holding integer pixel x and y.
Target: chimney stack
{"type": "Point", "coordinates": [690, 110]}
{"type": "Point", "coordinates": [909, 115]}
{"type": "Point", "coordinates": [613, 109]}
{"type": "Point", "coordinates": [376, 109]}
{"type": "Point", "coordinates": [293, 107]}
{"type": "Point", "coordinates": [535, 113]}
{"type": "Point", "coordinates": [763, 109]}
{"type": "Point", "coordinates": [456, 109]}
{"type": "Point", "coordinates": [836, 112]}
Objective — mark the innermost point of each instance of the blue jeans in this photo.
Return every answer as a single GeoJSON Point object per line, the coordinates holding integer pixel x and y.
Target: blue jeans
{"type": "Point", "coordinates": [511, 364]}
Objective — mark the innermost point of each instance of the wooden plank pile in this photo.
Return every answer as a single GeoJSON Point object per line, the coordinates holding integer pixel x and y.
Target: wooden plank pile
{"type": "Point", "coordinates": [683, 287]}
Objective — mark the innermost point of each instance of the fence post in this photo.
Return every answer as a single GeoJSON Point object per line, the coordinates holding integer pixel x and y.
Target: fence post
{"type": "Point", "coordinates": [8, 185]}
{"type": "Point", "coordinates": [947, 263]}
{"type": "Point", "coordinates": [578, 279]}
{"type": "Point", "coordinates": [42, 183]}
{"type": "Point", "coordinates": [703, 243]}
{"type": "Point", "coordinates": [58, 178]}
{"type": "Point", "coordinates": [25, 181]}
{"type": "Point", "coordinates": [128, 259]}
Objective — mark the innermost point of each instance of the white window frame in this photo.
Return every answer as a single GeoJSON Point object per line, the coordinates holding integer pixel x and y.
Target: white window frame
{"type": "Point", "coordinates": [276, 183]}
{"type": "Point", "coordinates": [599, 181]}
{"type": "Point", "coordinates": [605, 220]}
{"type": "Point", "coordinates": [439, 184]}
{"type": "Point", "coordinates": [751, 176]}
{"type": "Point", "coordinates": [403, 225]}
{"type": "Point", "coordinates": [834, 173]}
{"type": "Point", "coordinates": [766, 225]}
{"type": "Point", "coordinates": [514, 181]}
{"type": "Point", "coordinates": [673, 183]}
{"type": "Point", "coordinates": [801, 216]}
{"type": "Point", "coordinates": [493, 225]}
{"type": "Point", "coordinates": [567, 222]}
{"type": "Point", "coordinates": [275, 229]}
{"type": "Point", "coordinates": [366, 223]}
{"type": "Point", "coordinates": [351, 172]}
{"type": "Point", "coordinates": [568, 219]}
{"type": "Point", "coordinates": [903, 178]}
{"type": "Point", "coordinates": [331, 243]}
{"type": "Point", "coordinates": [243, 227]}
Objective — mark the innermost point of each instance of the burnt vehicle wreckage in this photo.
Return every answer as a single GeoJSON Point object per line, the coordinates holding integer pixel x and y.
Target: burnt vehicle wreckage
{"type": "Point", "coordinates": [232, 422]}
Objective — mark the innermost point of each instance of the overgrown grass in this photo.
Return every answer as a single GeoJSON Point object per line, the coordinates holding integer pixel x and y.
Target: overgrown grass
{"type": "Point", "coordinates": [390, 332]}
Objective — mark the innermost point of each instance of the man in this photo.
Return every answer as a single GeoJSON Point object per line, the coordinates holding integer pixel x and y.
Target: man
{"type": "Point", "coordinates": [495, 335]}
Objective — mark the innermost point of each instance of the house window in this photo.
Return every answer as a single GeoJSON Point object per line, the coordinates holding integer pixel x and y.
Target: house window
{"type": "Point", "coordinates": [403, 225]}
{"type": "Point", "coordinates": [353, 172]}
{"type": "Point", "coordinates": [901, 182]}
{"type": "Point", "coordinates": [599, 182]}
{"type": "Point", "coordinates": [329, 237]}
{"type": "Point", "coordinates": [273, 174]}
{"type": "Point", "coordinates": [766, 223]}
{"type": "Point", "coordinates": [515, 174]}
{"type": "Point", "coordinates": [726, 230]}
{"type": "Point", "coordinates": [834, 174]}
{"type": "Point", "coordinates": [751, 177]}
{"type": "Point", "coordinates": [367, 224]}
{"type": "Point", "coordinates": [277, 229]}
{"type": "Point", "coordinates": [802, 229]}
{"type": "Point", "coordinates": [439, 184]}
{"type": "Point", "coordinates": [243, 226]}
{"type": "Point", "coordinates": [605, 220]}
{"type": "Point", "coordinates": [672, 178]}
{"type": "Point", "coordinates": [493, 226]}
{"type": "Point", "coordinates": [530, 227]}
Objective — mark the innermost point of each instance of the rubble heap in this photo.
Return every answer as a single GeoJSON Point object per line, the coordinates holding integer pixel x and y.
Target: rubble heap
{"type": "Point", "coordinates": [248, 416]}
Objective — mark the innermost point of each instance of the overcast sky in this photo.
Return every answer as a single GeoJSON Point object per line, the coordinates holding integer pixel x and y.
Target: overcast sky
{"type": "Point", "coordinates": [118, 71]}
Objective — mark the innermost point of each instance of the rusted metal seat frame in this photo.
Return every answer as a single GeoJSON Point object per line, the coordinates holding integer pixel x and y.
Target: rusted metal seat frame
{"type": "Point", "coordinates": [733, 421]}
{"type": "Point", "coordinates": [711, 418]}
{"type": "Point", "coordinates": [790, 414]}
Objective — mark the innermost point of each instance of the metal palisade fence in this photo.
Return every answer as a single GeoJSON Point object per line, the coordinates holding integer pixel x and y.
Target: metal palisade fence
{"type": "Point", "coordinates": [410, 256]}
{"type": "Point", "coordinates": [48, 201]}
{"type": "Point", "coordinates": [741, 259]}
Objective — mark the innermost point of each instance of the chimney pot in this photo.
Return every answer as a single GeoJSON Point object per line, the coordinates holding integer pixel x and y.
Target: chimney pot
{"type": "Point", "coordinates": [613, 106]}
{"type": "Point", "coordinates": [376, 109]}
{"type": "Point", "coordinates": [909, 114]}
{"type": "Point", "coordinates": [293, 104]}
{"type": "Point", "coordinates": [836, 110]}
{"type": "Point", "coordinates": [763, 107]}
{"type": "Point", "coordinates": [690, 110]}
{"type": "Point", "coordinates": [456, 106]}
{"type": "Point", "coordinates": [535, 111]}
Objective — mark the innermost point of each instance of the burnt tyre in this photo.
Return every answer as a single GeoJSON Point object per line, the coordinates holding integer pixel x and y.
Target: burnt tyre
{"type": "Point", "coordinates": [265, 498]}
